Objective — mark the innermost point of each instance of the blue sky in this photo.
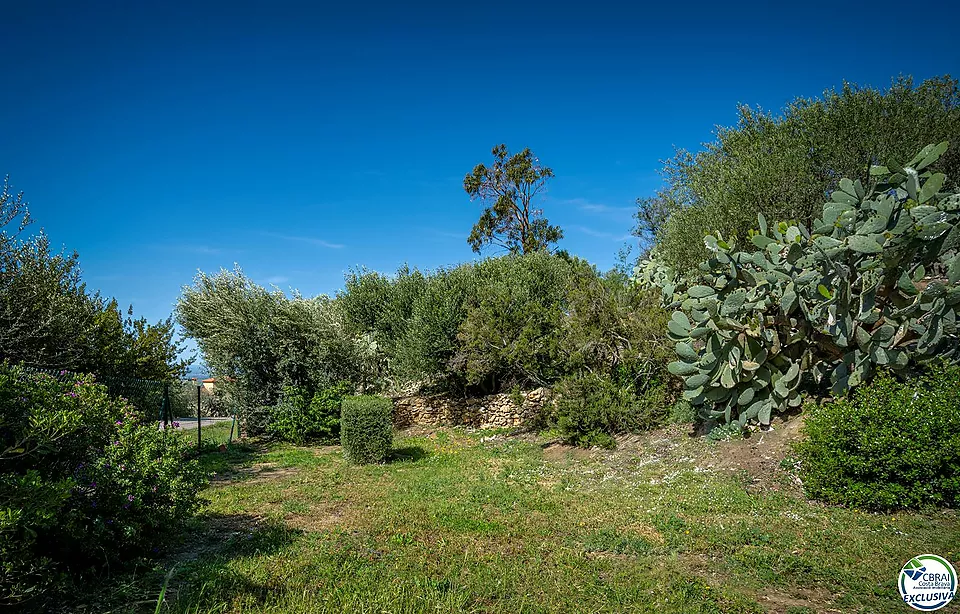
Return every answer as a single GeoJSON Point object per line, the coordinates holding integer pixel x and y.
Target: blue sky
{"type": "Point", "coordinates": [300, 140]}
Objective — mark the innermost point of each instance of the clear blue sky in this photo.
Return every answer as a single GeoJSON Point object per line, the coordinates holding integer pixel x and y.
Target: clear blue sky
{"type": "Point", "coordinates": [300, 140]}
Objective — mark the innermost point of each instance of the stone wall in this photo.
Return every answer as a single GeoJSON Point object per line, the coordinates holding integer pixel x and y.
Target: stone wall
{"type": "Point", "coordinates": [493, 411]}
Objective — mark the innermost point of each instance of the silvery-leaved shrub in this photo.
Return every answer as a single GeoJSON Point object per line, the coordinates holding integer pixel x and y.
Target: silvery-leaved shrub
{"type": "Point", "coordinates": [872, 284]}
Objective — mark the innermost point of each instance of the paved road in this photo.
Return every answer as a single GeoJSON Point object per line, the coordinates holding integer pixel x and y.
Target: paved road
{"type": "Point", "coordinates": [191, 423]}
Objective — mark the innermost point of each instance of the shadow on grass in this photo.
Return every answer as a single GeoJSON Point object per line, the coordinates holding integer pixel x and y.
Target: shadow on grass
{"type": "Point", "coordinates": [408, 454]}
{"type": "Point", "coordinates": [226, 536]}
{"type": "Point", "coordinates": [202, 563]}
{"type": "Point", "coordinates": [198, 553]}
{"type": "Point", "coordinates": [227, 460]}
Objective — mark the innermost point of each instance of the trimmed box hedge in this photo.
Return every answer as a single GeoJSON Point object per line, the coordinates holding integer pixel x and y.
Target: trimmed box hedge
{"type": "Point", "coordinates": [366, 429]}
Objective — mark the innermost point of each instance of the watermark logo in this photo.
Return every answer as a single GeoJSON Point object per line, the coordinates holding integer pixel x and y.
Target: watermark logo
{"type": "Point", "coordinates": [927, 582]}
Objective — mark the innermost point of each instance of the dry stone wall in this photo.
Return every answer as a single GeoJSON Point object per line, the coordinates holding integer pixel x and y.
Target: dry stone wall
{"type": "Point", "coordinates": [493, 411]}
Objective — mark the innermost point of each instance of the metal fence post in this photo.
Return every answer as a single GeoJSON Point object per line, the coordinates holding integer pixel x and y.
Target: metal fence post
{"type": "Point", "coordinates": [165, 406]}
{"type": "Point", "coordinates": [198, 416]}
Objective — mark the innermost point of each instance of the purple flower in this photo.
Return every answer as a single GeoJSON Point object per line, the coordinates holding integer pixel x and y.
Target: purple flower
{"type": "Point", "coordinates": [119, 422]}
{"type": "Point", "coordinates": [109, 520]}
{"type": "Point", "coordinates": [93, 484]}
{"type": "Point", "coordinates": [176, 425]}
{"type": "Point", "coordinates": [154, 489]}
{"type": "Point", "coordinates": [129, 497]}
{"type": "Point", "coordinates": [63, 372]}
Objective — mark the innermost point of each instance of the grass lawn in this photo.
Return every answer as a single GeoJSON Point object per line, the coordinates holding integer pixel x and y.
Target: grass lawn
{"type": "Point", "coordinates": [211, 435]}
{"type": "Point", "coordinates": [479, 522]}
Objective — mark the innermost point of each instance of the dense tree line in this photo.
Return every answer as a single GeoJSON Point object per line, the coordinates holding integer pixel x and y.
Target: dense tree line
{"type": "Point", "coordinates": [516, 321]}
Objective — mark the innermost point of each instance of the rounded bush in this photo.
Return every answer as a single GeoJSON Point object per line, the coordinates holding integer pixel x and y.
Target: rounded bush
{"type": "Point", "coordinates": [366, 429]}
{"type": "Point", "coordinates": [589, 410]}
{"type": "Point", "coordinates": [891, 445]}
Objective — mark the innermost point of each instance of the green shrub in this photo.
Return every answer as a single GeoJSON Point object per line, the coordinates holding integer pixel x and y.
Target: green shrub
{"type": "Point", "coordinates": [512, 329]}
{"type": "Point", "coordinates": [872, 283]}
{"type": "Point", "coordinates": [892, 445]}
{"type": "Point", "coordinates": [132, 494]}
{"type": "Point", "coordinates": [781, 166]}
{"type": "Point", "coordinates": [430, 340]}
{"type": "Point", "coordinates": [300, 418]}
{"type": "Point", "coordinates": [682, 412]}
{"type": "Point", "coordinates": [380, 304]}
{"type": "Point", "coordinates": [262, 341]}
{"type": "Point", "coordinates": [609, 328]}
{"type": "Point", "coordinates": [512, 321]}
{"type": "Point", "coordinates": [588, 410]}
{"type": "Point", "coordinates": [366, 429]}
{"type": "Point", "coordinates": [84, 482]}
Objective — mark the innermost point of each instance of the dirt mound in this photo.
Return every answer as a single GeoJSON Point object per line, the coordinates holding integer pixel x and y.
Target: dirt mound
{"type": "Point", "coordinates": [761, 453]}
{"type": "Point", "coordinates": [758, 456]}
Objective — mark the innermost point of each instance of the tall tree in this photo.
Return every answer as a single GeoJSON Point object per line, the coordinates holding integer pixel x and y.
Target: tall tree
{"type": "Point", "coordinates": [509, 189]}
{"type": "Point", "coordinates": [264, 340]}
{"type": "Point", "coordinates": [784, 166]}
{"type": "Point", "coordinates": [12, 209]}
{"type": "Point", "coordinates": [48, 318]}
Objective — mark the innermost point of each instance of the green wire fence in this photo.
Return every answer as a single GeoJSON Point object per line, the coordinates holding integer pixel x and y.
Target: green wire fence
{"type": "Point", "coordinates": [166, 402]}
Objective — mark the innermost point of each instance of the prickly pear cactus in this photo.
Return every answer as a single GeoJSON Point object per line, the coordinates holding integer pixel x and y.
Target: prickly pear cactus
{"type": "Point", "coordinates": [874, 283]}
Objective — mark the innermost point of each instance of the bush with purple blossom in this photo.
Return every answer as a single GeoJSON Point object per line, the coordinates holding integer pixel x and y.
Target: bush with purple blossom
{"type": "Point", "coordinates": [85, 482]}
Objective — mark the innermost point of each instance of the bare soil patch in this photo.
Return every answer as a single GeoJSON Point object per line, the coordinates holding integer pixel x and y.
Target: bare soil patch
{"type": "Point", "coordinates": [559, 451]}
{"type": "Point", "coordinates": [816, 600]}
{"type": "Point", "coordinates": [762, 450]}
{"type": "Point", "coordinates": [760, 455]}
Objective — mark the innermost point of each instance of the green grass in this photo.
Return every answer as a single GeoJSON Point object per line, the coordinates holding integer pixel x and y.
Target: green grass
{"type": "Point", "coordinates": [214, 434]}
{"type": "Point", "coordinates": [462, 523]}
